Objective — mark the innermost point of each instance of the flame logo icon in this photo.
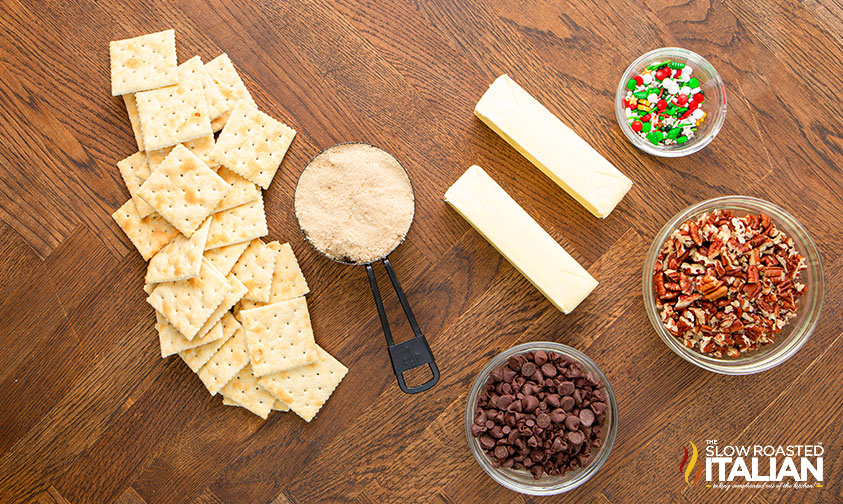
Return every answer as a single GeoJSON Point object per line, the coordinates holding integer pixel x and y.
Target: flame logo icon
{"type": "Point", "coordinates": [689, 469]}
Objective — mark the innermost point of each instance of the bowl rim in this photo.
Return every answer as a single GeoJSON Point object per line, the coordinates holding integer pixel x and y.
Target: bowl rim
{"type": "Point", "coordinates": [781, 349]}
{"type": "Point", "coordinates": [579, 476]}
{"type": "Point", "coordinates": [690, 147]}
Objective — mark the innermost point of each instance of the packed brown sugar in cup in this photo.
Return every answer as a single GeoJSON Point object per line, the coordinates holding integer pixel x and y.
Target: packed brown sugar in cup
{"type": "Point", "coordinates": [354, 203]}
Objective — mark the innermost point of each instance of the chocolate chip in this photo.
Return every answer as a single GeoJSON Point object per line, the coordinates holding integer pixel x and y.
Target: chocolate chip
{"type": "Point", "coordinates": [501, 452]}
{"type": "Point", "coordinates": [496, 374]}
{"type": "Point", "coordinates": [553, 400]}
{"type": "Point", "coordinates": [514, 363]}
{"type": "Point", "coordinates": [566, 403]}
{"type": "Point", "coordinates": [557, 416]}
{"type": "Point", "coordinates": [598, 407]}
{"type": "Point", "coordinates": [476, 430]}
{"type": "Point", "coordinates": [487, 442]}
{"type": "Point", "coordinates": [549, 370]}
{"type": "Point", "coordinates": [576, 438]}
{"type": "Point", "coordinates": [587, 417]}
{"type": "Point", "coordinates": [543, 420]}
{"type": "Point", "coordinates": [572, 422]}
{"type": "Point", "coordinates": [529, 403]}
{"type": "Point", "coordinates": [566, 388]}
{"type": "Point", "coordinates": [508, 374]}
{"type": "Point", "coordinates": [527, 369]}
{"type": "Point", "coordinates": [540, 357]}
{"type": "Point", "coordinates": [504, 401]}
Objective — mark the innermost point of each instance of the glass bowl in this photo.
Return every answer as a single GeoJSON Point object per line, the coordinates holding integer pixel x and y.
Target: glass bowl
{"type": "Point", "coordinates": [714, 104]}
{"type": "Point", "coordinates": [521, 480]}
{"type": "Point", "coordinates": [792, 336]}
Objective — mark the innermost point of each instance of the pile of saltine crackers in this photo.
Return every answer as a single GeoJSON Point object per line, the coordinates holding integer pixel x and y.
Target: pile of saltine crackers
{"type": "Point", "coordinates": [229, 304]}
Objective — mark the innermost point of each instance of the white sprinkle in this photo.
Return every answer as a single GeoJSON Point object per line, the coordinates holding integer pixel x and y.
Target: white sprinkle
{"type": "Point", "coordinates": [685, 90]}
{"type": "Point", "coordinates": [697, 114]}
{"type": "Point", "coordinates": [653, 98]}
{"type": "Point", "coordinates": [688, 70]}
{"type": "Point", "coordinates": [647, 78]}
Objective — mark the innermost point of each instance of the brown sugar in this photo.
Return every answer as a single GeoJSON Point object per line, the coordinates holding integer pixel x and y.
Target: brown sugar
{"type": "Point", "coordinates": [354, 202]}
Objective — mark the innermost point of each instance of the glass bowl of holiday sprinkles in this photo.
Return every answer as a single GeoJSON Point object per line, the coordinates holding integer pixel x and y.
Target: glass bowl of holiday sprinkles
{"type": "Point", "coordinates": [670, 102]}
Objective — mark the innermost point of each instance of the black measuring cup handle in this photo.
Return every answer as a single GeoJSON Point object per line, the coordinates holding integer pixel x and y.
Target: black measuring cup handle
{"type": "Point", "coordinates": [412, 353]}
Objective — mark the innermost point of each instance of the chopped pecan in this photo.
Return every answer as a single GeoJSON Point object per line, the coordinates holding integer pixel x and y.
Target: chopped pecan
{"type": "Point", "coordinates": [727, 284]}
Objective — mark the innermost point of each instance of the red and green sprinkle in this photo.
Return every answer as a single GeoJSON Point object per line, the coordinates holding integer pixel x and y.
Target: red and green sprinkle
{"type": "Point", "coordinates": [663, 104]}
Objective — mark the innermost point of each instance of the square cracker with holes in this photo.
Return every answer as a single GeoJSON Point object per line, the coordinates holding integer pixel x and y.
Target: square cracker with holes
{"type": "Point", "coordinates": [129, 168]}
{"type": "Point", "coordinates": [231, 86]}
{"type": "Point", "coordinates": [287, 280]}
{"type": "Point", "coordinates": [196, 357]}
{"type": "Point", "coordinates": [147, 234]}
{"type": "Point", "coordinates": [132, 111]}
{"type": "Point", "coordinates": [252, 144]}
{"type": "Point", "coordinates": [172, 341]}
{"type": "Point", "coordinates": [244, 390]}
{"type": "Point", "coordinates": [305, 389]}
{"type": "Point", "coordinates": [238, 224]}
{"type": "Point", "coordinates": [225, 363]}
{"type": "Point", "coordinates": [180, 259]}
{"type": "Point", "coordinates": [175, 114]}
{"type": "Point", "coordinates": [242, 191]}
{"type": "Point", "coordinates": [201, 146]}
{"type": "Point", "coordinates": [184, 190]}
{"type": "Point", "coordinates": [234, 295]}
{"type": "Point", "coordinates": [145, 62]}
{"type": "Point", "coordinates": [279, 336]}
{"type": "Point", "coordinates": [254, 269]}
{"type": "Point", "coordinates": [278, 406]}
{"type": "Point", "coordinates": [224, 258]}
{"type": "Point", "coordinates": [187, 304]}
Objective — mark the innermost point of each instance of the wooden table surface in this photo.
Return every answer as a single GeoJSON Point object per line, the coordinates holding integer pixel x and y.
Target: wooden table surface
{"type": "Point", "coordinates": [91, 413]}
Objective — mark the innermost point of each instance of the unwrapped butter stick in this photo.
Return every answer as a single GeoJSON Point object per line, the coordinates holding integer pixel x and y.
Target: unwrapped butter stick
{"type": "Point", "coordinates": [520, 239]}
{"type": "Point", "coordinates": [552, 146]}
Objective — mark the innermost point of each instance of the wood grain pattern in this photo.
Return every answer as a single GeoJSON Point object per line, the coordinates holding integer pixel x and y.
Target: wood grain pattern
{"type": "Point", "coordinates": [90, 413]}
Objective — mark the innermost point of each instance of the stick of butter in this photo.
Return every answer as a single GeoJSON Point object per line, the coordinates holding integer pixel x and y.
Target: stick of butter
{"type": "Point", "coordinates": [552, 146]}
{"type": "Point", "coordinates": [520, 239]}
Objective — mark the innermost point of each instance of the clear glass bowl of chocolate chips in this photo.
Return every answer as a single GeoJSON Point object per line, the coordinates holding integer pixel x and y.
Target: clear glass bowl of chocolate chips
{"type": "Point", "coordinates": [733, 285]}
{"type": "Point", "coordinates": [541, 418]}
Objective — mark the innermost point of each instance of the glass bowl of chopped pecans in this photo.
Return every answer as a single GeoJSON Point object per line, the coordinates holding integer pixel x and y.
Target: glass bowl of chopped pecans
{"type": "Point", "coordinates": [733, 285]}
{"type": "Point", "coordinates": [541, 418]}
